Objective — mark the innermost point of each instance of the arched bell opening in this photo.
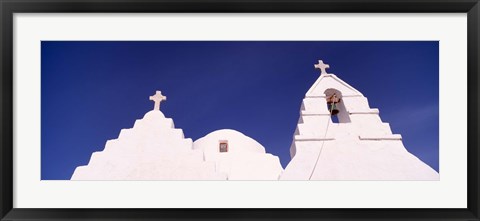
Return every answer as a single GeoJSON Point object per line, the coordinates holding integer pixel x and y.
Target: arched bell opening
{"type": "Point", "coordinates": [336, 106]}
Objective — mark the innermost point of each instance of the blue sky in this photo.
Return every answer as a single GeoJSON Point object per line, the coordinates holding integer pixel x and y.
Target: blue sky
{"type": "Point", "coordinates": [91, 90]}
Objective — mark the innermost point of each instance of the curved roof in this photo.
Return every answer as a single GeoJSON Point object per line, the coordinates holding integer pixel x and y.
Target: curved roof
{"type": "Point", "coordinates": [237, 141]}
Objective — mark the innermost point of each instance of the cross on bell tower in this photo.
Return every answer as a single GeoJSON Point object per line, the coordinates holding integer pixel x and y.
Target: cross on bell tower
{"type": "Point", "coordinates": [157, 98]}
{"type": "Point", "coordinates": [322, 66]}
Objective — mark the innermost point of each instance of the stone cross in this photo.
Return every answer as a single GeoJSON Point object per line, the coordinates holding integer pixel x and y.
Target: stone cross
{"type": "Point", "coordinates": [322, 66]}
{"type": "Point", "coordinates": [157, 98]}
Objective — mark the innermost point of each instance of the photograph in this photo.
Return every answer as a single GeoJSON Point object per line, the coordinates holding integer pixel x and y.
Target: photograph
{"type": "Point", "coordinates": [227, 110]}
{"type": "Point", "coordinates": [240, 110]}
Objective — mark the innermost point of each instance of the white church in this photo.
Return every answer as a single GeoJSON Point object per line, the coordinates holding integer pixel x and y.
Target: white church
{"type": "Point", "coordinates": [338, 137]}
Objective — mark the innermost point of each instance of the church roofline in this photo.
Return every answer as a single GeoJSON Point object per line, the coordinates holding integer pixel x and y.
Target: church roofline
{"type": "Point", "coordinates": [317, 82]}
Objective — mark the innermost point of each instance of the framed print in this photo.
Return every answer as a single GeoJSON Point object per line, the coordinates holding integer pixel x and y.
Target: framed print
{"type": "Point", "coordinates": [226, 110]}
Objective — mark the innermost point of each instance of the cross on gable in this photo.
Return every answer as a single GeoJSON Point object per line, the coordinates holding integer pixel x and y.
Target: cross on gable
{"type": "Point", "coordinates": [322, 66]}
{"type": "Point", "coordinates": [157, 98]}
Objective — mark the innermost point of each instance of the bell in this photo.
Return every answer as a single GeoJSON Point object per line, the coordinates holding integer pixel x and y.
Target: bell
{"type": "Point", "coordinates": [333, 99]}
{"type": "Point", "coordinates": [333, 109]}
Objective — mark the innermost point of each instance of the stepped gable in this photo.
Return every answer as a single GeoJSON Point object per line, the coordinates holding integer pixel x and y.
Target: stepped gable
{"type": "Point", "coordinates": [152, 150]}
{"type": "Point", "coordinates": [359, 147]}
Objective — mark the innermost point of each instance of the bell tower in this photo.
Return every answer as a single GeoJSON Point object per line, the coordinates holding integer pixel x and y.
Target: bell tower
{"type": "Point", "coordinates": [355, 146]}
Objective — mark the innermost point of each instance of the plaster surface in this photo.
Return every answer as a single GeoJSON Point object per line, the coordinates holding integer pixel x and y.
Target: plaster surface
{"type": "Point", "coordinates": [359, 147]}
{"type": "Point", "coordinates": [155, 150]}
{"type": "Point", "coordinates": [152, 150]}
{"type": "Point", "coordinates": [246, 159]}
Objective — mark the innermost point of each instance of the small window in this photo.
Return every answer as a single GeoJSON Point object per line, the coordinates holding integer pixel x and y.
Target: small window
{"type": "Point", "coordinates": [223, 146]}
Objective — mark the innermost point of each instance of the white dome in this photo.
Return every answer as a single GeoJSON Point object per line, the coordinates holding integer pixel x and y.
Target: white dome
{"type": "Point", "coordinates": [237, 142]}
{"type": "Point", "coordinates": [245, 158]}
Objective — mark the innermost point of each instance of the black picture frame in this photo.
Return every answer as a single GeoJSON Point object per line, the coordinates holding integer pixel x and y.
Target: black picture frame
{"type": "Point", "coordinates": [9, 7]}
